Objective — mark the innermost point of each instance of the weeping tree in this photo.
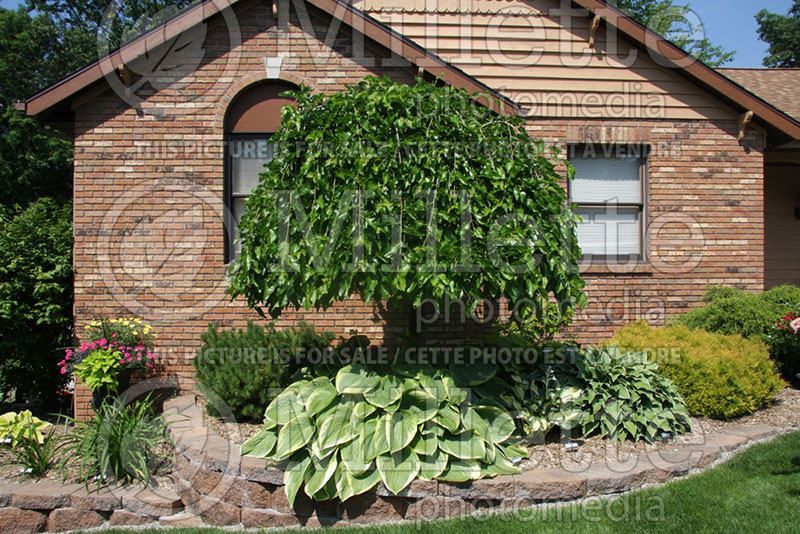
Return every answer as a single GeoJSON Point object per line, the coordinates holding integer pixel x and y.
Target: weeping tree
{"type": "Point", "coordinates": [408, 195]}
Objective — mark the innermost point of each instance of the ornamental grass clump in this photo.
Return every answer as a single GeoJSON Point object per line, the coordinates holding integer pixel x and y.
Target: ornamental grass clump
{"type": "Point", "coordinates": [339, 436]}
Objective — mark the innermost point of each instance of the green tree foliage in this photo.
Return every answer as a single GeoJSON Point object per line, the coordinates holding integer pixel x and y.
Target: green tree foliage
{"type": "Point", "coordinates": [35, 297]}
{"type": "Point", "coordinates": [782, 33]}
{"type": "Point", "coordinates": [675, 23]}
{"type": "Point", "coordinates": [405, 193]}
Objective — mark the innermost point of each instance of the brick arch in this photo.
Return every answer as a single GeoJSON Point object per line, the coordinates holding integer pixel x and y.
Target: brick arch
{"type": "Point", "coordinates": [244, 83]}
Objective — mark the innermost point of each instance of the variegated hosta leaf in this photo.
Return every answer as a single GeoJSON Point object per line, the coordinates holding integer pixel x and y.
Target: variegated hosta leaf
{"type": "Point", "coordinates": [472, 421]}
{"type": "Point", "coordinates": [401, 428]}
{"type": "Point", "coordinates": [284, 408]}
{"type": "Point", "coordinates": [319, 473]}
{"type": "Point", "coordinates": [319, 399]}
{"type": "Point", "coordinates": [361, 411]}
{"type": "Point", "coordinates": [461, 471]}
{"type": "Point", "coordinates": [434, 387]}
{"type": "Point", "coordinates": [398, 470]}
{"type": "Point", "coordinates": [425, 443]}
{"type": "Point", "coordinates": [455, 394]}
{"type": "Point", "coordinates": [355, 380]}
{"type": "Point", "coordinates": [349, 484]}
{"type": "Point", "coordinates": [466, 446]}
{"type": "Point", "coordinates": [448, 417]}
{"type": "Point", "coordinates": [388, 392]}
{"type": "Point", "coordinates": [293, 477]}
{"type": "Point", "coordinates": [260, 445]}
{"type": "Point", "coordinates": [336, 427]}
{"type": "Point", "coordinates": [421, 405]}
{"type": "Point", "coordinates": [294, 434]}
{"type": "Point", "coordinates": [354, 457]}
{"type": "Point", "coordinates": [432, 466]}
{"type": "Point", "coordinates": [474, 374]}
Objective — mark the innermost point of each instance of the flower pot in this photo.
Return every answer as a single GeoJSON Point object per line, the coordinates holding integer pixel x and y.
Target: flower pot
{"type": "Point", "coordinates": [102, 394]}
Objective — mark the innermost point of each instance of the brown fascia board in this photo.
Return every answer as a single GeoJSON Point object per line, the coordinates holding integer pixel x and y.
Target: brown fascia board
{"type": "Point", "coordinates": [696, 70]}
{"type": "Point", "coordinates": [82, 79]}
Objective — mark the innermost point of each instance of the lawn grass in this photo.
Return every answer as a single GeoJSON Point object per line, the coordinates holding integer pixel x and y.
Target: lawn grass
{"type": "Point", "coordinates": [758, 491]}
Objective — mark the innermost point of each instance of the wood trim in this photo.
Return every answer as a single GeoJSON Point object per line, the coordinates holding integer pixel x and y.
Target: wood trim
{"type": "Point", "coordinates": [378, 32]}
{"type": "Point", "coordinates": [695, 69]}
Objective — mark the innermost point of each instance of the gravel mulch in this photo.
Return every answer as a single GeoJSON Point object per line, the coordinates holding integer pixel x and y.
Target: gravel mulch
{"type": "Point", "coordinates": [11, 471]}
{"type": "Point", "coordinates": [783, 412]}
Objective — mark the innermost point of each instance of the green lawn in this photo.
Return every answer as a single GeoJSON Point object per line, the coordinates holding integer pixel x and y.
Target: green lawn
{"type": "Point", "coordinates": [758, 491]}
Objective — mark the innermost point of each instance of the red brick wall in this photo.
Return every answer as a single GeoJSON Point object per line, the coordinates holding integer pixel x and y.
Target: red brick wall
{"type": "Point", "coordinates": [148, 202]}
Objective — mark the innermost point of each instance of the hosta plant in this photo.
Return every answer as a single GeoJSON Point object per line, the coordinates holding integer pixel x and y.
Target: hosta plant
{"type": "Point", "coordinates": [625, 398]}
{"type": "Point", "coordinates": [17, 427]}
{"type": "Point", "coordinates": [340, 436]}
{"type": "Point", "coordinates": [543, 391]}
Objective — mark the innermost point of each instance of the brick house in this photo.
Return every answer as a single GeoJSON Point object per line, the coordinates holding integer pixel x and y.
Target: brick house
{"type": "Point", "coordinates": [685, 178]}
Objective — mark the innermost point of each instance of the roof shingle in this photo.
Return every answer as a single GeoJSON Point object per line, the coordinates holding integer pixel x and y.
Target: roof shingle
{"type": "Point", "coordinates": [779, 87]}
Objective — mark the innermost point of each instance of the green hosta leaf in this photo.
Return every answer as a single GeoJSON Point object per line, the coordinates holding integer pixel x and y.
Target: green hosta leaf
{"type": "Point", "coordinates": [432, 466]}
{"type": "Point", "coordinates": [467, 445]}
{"type": "Point", "coordinates": [372, 438]}
{"type": "Point", "coordinates": [456, 394]}
{"type": "Point", "coordinates": [354, 459]}
{"type": "Point", "coordinates": [320, 398]}
{"type": "Point", "coordinates": [433, 386]}
{"type": "Point", "coordinates": [500, 466]}
{"type": "Point", "coordinates": [420, 405]}
{"type": "Point", "coordinates": [425, 444]}
{"type": "Point", "coordinates": [355, 379]}
{"type": "Point", "coordinates": [461, 471]}
{"type": "Point", "coordinates": [501, 427]}
{"type": "Point", "coordinates": [472, 421]}
{"type": "Point", "coordinates": [366, 481]}
{"type": "Point", "coordinates": [448, 417]}
{"type": "Point", "coordinates": [319, 473]}
{"type": "Point", "coordinates": [515, 451]}
{"type": "Point", "coordinates": [474, 374]}
{"type": "Point", "coordinates": [388, 392]}
{"type": "Point", "coordinates": [260, 445]}
{"type": "Point", "coordinates": [293, 477]}
{"type": "Point", "coordinates": [361, 411]}
{"type": "Point", "coordinates": [398, 470]}
{"type": "Point", "coordinates": [381, 439]}
{"type": "Point", "coordinates": [400, 430]}
{"type": "Point", "coordinates": [336, 427]}
{"type": "Point", "coordinates": [296, 433]}
{"type": "Point", "coordinates": [284, 408]}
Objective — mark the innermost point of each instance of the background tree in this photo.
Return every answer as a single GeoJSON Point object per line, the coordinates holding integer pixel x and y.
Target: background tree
{"type": "Point", "coordinates": [675, 23]}
{"type": "Point", "coordinates": [782, 33]}
{"type": "Point", "coordinates": [39, 45]}
{"type": "Point", "coordinates": [406, 193]}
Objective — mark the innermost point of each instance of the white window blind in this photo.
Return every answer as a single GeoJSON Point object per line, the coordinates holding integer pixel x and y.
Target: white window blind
{"type": "Point", "coordinates": [248, 157]}
{"type": "Point", "coordinates": [610, 231]}
{"type": "Point", "coordinates": [608, 192]}
{"type": "Point", "coordinates": [602, 180]}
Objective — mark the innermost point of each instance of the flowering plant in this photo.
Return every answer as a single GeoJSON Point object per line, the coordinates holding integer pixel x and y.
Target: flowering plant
{"type": "Point", "coordinates": [784, 346]}
{"type": "Point", "coordinates": [118, 344]}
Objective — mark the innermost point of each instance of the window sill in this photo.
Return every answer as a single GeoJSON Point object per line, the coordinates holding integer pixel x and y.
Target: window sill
{"type": "Point", "coordinates": [610, 268]}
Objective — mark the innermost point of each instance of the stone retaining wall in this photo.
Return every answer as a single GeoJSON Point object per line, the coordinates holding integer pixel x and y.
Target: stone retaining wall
{"type": "Point", "coordinates": [223, 488]}
{"type": "Point", "coordinates": [55, 507]}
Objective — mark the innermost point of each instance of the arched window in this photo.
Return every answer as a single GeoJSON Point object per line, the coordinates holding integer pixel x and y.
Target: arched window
{"type": "Point", "coordinates": [251, 119]}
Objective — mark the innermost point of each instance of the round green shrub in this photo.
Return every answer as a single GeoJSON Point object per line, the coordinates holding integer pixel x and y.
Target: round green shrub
{"type": "Point", "coordinates": [720, 376]}
{"type": "Point", "coordinates": [247, 368]}
{"type": "Point", "coordinates": [754, 316]}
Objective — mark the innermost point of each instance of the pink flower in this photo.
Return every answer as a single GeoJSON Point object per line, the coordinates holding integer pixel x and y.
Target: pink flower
{"type": "Point", "coordinates": [128, 355]}
{"type": "Point", "coordinates": [149, 365]}
{"type": "Point", "coordinates": [63, 370]}
{"type": "Point", "coordinates": [69, 352]}
{"type": "Point", "coordinates": [122, 361]}
{"type": "Point", "coordinates": [103, 342]}
{"type": "Point", "coordinates": [114, 334]}
{"type": "Point", "coordinates": [66, 357]}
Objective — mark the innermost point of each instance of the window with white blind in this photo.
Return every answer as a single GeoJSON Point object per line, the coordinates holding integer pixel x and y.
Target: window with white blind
{"type": "Point", "coordinates": [247, 156]}
{"type": "Point", "coordinates": [609, 194]}
{"type": "Point", "coordinates": [251, 119]}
